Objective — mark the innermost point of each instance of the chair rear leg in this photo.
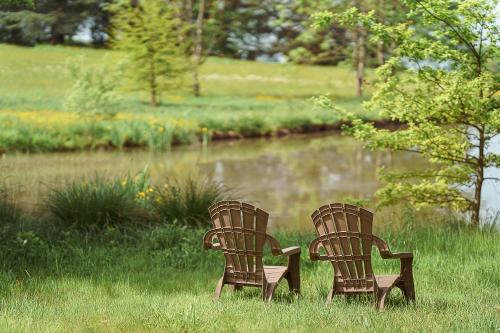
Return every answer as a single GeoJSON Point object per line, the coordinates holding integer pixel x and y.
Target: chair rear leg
{"type": "Point", "coordinates": [218, 289]}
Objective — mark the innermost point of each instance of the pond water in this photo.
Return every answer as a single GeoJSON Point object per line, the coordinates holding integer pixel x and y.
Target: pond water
{"type": "Point", "coordinates": [288, 177]}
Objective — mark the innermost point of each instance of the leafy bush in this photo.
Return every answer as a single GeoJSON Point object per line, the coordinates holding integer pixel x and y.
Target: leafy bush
{"type": "Point", "coordinates": [95, 205]}
{"type": "Point", "coordinates": [93, 93]}
{"type": "Point", "coordinates": [187, 201]}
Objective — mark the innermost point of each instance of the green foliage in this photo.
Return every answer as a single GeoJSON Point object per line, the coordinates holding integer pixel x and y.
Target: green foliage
{"type": "Point", "coordinates": [93, 94]}
{"type": "Point", "coordinates": [148, 34]}
{"type": "Point", "coordinates": [26, 3]}
{"type": "Point", "coordinates": [29, 22]}
{"type": "Point", "coordinates": [23, 27]}
{"type": "Point", "coordinates": [442, 85]}
{"type": "Point", "coordinates": [187, 201]}
{"type": "Point", "coordinates": [95, 205]}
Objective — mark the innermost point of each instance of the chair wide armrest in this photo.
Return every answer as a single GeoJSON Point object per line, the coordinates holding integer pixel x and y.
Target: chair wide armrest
{"type": "Point", "coordinates": [386, 253]}
{"type": "Point", "coordinates": [207, 240]}
{"type": "Point", "coordinates": [275, 245]}
{"type": "Point", "coordinates": [402, 255]}
{"type": "Point", "coordinates": [291, 250]}
{"type": "Point", "coordinates": [314, 250]}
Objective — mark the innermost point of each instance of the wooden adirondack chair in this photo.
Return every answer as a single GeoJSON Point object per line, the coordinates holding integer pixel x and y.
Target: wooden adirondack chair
{"type": "Point", "coordinates": [240, 232]}
{"type": "Point", "coordinates": [345, 233]}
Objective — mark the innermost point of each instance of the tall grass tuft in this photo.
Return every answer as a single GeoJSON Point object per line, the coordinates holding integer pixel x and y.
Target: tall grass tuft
{"type": "Point", "coordinates": [97, 204]}
{"type": "Point", "coordinates": [9, 212]}
{"type": "Point", "coordinates": [187, 201]}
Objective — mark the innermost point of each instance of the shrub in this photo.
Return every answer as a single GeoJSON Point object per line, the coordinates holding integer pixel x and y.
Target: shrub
{"type": "Point", "coordinates": [93, 93]}
{"type": "Point", "coordinates": [96, 205]}
{"type": "Point", "coordinates": [187, 201]}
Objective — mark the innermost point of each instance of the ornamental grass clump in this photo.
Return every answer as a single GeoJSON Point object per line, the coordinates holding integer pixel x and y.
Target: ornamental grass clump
{"type": "Point", "coordinates": [95, 205]}
{"type": "Point", "coordinates": [187, 201]}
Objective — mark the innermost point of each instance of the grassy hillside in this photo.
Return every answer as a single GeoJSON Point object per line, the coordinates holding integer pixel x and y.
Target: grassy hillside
{"type": "Point", "coordinates": [239, 97]}
{"type": "Point", "coordinates": [38, 78]}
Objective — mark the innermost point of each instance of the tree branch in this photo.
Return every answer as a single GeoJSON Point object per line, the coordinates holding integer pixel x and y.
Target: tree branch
{"type": "Point", "coordinates": [469, 45]}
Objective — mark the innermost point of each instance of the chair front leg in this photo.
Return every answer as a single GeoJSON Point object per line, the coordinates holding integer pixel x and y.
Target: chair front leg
{"type": "Point", "coordinates": [218, 289]}
{"type": "Point", "coordinates": [293, 274]}
{"type": "Point", "coordinates": [407, 279]}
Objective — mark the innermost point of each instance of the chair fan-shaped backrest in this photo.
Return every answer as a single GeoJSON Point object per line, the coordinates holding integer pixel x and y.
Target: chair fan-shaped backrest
{"type": "Point", "coordinates": [345, 232]}
{"type": "Point", "coordinates": [241, 230]}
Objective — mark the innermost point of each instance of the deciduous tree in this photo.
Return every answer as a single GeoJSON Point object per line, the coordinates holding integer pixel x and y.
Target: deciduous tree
{"type": "Point", "coordinates": [444, 87]}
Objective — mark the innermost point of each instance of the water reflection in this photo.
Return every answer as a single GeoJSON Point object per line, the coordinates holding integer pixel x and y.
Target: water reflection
{"type": "Point", "coordinates": [288, 177]}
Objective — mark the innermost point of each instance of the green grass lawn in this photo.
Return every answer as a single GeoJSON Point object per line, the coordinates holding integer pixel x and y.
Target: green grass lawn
{"type": "Point", "coordinates": [38, 79]}
{"type": "Point", "coordinates": [242, 97]}
{"type": "Point", "coordinates": [159, 286]}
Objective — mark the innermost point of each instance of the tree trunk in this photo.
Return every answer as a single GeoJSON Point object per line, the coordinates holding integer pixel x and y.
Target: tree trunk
{"type": "Point", "coordinates": [359, 61]}
{"type": "Point", "coordinates": [153, 86]}
{"type": "Point", "coordinates": [380, 53]}
{"type": "Point", "coordinates": [476, 207]}
{"type": "Point", "coordinates": [56, 38]}
{"type": "Point", "coordinates": [198, 48]}
{"type": "Point", "coordinates": [380, 44]}
{"type": "Point", "coordinates": [359, 53]}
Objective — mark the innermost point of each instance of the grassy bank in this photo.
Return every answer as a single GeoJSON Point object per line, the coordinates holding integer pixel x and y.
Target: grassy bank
{"type": "Point", "coordinates": [163, 282]}
{"type": "Point", "coordinates": [240, 99]}
{"type": "Point", "coordinates": [64, 269]}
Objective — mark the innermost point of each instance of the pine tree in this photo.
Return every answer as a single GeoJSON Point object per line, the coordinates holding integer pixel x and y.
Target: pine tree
{"type": "Point", "coordinates": [147, 32]}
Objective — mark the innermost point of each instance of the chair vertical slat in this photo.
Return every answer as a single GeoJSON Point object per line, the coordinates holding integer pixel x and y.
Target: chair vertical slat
{"type": "Point", "coordinates": [230, 239]}
{"type": "Point", "coordinates": [355, 241]}
{"type": "Point", "coordinates": [366, 222]}
{"type": "Point", "coordinates": [248, 224]}
{"type": "Point", "coordinates": [341, 228]}
{"type": "Point", "coordinates": [351, 263]}
{"type": "Point", "coordinates": [260, 238]}
{"type": "Point", "coordinates": [235, 216]}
